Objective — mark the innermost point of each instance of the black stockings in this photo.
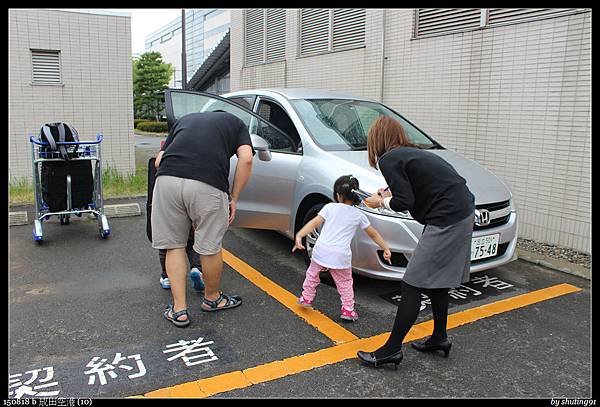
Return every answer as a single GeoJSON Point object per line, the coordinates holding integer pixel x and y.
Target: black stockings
{"type": "Point", "coordinates": [407, 313]}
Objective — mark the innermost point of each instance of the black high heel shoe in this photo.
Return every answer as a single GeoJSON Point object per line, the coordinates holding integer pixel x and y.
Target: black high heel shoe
{"type": "Point", "coordinates": [370, 359]}
{"type": "Point", "coordinates": [428, 346]}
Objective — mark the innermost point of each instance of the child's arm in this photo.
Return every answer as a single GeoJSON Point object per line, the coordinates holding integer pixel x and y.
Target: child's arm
{"type": "Point", "coordinates": [309, 227]}
{"type": "Point", "coordinates": [374, 234]}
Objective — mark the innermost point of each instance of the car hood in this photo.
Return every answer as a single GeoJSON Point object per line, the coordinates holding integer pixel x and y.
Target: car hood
{"type": "Point", "coordinates": [486, 187]}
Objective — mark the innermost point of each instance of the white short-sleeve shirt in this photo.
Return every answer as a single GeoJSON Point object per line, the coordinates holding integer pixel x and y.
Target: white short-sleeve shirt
{"type": "Point", "coordinates": [332, 249]}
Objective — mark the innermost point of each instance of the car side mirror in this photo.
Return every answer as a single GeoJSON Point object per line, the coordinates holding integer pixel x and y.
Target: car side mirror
{"type": "Point", "coordinates": [262, 146]}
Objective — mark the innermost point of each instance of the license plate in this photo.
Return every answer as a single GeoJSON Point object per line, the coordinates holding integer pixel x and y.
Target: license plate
{"type": "Point", "coordinates": [484, 246]}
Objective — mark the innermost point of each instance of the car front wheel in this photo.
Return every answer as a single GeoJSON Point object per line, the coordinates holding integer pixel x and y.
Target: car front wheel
{"type": "Point", "coordinates": [309, 240]}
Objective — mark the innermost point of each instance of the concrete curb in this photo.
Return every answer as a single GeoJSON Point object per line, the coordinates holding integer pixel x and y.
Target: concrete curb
{"type": "Point", "coordinates": [17, 218]}
{"type": "Point", "coordinates": [554, 264]}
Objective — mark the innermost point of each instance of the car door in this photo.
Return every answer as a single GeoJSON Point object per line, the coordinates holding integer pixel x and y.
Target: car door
{"type": "Point", "coordinates": [269, 194]}
{"type": "Point", "coordinates": [260, 204]}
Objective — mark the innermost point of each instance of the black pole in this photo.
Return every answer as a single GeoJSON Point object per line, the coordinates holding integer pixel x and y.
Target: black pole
{"type": "Point", "coordinates": [183, 56]}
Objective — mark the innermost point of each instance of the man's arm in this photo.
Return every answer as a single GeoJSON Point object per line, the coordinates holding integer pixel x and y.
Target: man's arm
{"type": "Point", "coordinates": [243, 170]}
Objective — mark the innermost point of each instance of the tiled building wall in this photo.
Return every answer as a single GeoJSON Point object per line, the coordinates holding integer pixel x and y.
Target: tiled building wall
{"type": "Point", "coordinates": [515, 98]}
{"type": "Point", "coordinates": [96, 95]}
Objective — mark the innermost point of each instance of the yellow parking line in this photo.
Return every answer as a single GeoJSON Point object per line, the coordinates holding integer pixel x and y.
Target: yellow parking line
{"type": "Point", "coordinates": [274, 370]}
{"type": "Point", "coordinates": [324, 324]}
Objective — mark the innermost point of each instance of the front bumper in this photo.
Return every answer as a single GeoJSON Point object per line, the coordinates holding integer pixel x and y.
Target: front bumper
{"type": "Point", "coordinates": [365, 260]}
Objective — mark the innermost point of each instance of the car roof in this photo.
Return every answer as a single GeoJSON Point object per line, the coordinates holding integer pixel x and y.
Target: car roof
{"type": "Point", "coordinates": [301, 93]}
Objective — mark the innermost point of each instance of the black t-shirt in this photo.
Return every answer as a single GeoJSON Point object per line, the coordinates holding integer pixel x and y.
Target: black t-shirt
{"type": "Point", "coordinates": [427, 186]}
{"type": "Point", "coordinates": [200, 145]}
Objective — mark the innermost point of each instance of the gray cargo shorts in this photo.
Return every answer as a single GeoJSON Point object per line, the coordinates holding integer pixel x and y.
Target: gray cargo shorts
{"type": "Point", "coordinates": [179, 203]}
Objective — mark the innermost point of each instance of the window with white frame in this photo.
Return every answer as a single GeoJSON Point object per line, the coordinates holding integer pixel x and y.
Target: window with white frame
{"type": "Point", "coordinates": [264, 35]}
{"type": "Point", "coordinates": [45, 67]}
{"type": "Point", "coordinates": [438, 21]}
{"type": "Point", "coordinates": [328, 30]}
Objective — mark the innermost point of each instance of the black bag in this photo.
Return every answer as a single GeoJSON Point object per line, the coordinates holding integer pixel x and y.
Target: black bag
{"type": "Point", "coordinates": [151, 180]}
{"type": "Point", "coordinates": [54, 184]}
{"type": "Point", "coordinates": [59, 132]}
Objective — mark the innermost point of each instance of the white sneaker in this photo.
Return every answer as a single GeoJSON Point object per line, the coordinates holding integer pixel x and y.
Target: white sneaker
{"type": "Point", "coordinates": [165, 283]}
{"type": "Point", "coordinates": [197, 280]}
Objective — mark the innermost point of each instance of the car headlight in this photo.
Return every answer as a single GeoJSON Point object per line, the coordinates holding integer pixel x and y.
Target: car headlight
{"type": "Point", "coordinates": [381, 210]}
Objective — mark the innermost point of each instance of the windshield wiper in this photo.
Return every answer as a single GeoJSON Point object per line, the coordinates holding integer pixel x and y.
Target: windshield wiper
{"type": "Point", "coordinates": [360, 147]}
{"type": "Point", "coordinates": [430, 147]}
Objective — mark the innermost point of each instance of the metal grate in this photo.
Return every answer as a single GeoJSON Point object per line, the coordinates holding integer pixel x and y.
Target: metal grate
{"type": "Point", "coordinates": [275, 34]}
{"type": "Point", "coordinates": [431, 21]}
{"type": "Point", "coordinates": [348, 28]}
{"type": "Point", "coordinates": [254, 36]}
{"type": "Point", "coordinates": [508, 15]}
{"type": "Point", "coordinates": [314, 31]}
{"type": "Point", "coordinates": [46, 67]}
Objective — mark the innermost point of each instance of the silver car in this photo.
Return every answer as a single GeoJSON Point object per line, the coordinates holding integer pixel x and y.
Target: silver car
{"type": "Point", "coordinates": [307, 138]}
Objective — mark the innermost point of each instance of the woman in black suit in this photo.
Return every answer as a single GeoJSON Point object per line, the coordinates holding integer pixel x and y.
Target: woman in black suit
{"type": "Point", "coordinates": [437, 197]}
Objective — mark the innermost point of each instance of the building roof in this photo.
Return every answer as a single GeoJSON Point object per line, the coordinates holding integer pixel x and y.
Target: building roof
{"type": "Point", "coordinates": [92, 11]}
{"type": "Point", "coordinates": [215, 62]}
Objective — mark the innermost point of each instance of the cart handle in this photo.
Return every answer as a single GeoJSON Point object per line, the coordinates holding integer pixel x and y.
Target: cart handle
{"type": "Point", "coordinates": [34, 140]}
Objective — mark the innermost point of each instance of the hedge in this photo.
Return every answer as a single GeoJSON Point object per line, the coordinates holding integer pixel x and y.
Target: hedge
{"type": "Point", "coordinates": [138, 121]}
{"type": "Point", "coordinates": [156, 127]}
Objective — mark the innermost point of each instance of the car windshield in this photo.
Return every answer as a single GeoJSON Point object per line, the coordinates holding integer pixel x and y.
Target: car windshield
{"type": "Point", "coordinates": [343, 124]}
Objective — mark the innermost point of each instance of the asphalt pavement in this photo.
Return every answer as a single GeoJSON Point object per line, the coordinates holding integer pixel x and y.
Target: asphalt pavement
{"type": "Point", "coordinates": [85, 320]}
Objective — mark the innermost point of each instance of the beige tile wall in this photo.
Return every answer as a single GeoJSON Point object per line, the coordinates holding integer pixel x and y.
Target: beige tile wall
{"type": "Point", "coordinates": [95, 52]}
{"type": "Point", "coordinates": [516, 99]}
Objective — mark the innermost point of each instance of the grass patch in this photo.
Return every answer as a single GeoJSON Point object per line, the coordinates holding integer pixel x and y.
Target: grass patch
{"type": "Point", "coordinates": [20, 192]}
{"type": "Point", "coordinates": [113, 185]}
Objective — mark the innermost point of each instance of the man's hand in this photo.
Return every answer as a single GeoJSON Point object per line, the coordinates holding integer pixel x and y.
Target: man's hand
{"type": "Point", "coordinates": [232, 209]}
{"type": "Point", "coordinates": [298, 244]}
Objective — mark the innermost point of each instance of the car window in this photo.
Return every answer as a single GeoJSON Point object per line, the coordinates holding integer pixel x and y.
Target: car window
{"type": "Point", "coordinates": [343, 124]}
{"type": "Point", "coordinates": [180, 103]}
{"type": "Point", "coordinates": [276, 115]}
{"type": "Point", "coordinates": [245, 101]}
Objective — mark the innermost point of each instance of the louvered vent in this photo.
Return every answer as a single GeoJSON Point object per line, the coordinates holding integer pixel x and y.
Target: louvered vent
{"type": "Point", "coordinates": [275, 34]}
{"type": "Point", "coordinates": [440, 20]}
{"type": "Point", "coordinates": [314, 31]}
{"type": "Point", "coordinates": [46, 67]}
{"type": "Point", "coordinates": [348, 28]}
{"type": "Point", "coordinates": [254, 35]}
{"type": "Point", "coordinates": [507, 15]}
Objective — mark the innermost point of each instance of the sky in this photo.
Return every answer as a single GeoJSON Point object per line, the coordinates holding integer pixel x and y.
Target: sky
{"type": "Point", "coordinates": [144, 21]}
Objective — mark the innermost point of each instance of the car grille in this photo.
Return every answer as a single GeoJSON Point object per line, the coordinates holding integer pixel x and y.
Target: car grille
{"type": "Point", "coordinates": [399, 260]}
{"type": "Point", "coordinates": [499, 214]}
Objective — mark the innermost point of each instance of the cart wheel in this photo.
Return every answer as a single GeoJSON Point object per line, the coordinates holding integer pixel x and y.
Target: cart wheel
{"type": "Point", "coordinates": [103, 227]}
{"type": "Point", "coordinates": [37, 232]}
{"type": "Point", "coordinates": [64, 219]}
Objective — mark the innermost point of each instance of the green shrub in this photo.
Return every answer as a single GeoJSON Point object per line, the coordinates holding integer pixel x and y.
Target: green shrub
{"type": "Point", "coordinates": [138, 121]}
{"type": "Point", "coordinates": [155, 127]}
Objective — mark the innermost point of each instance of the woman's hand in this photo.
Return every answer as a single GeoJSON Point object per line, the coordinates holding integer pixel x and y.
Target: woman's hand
{"type": "Point", "coordinates": [374, 201]}
{"type": "Point", "coordinates": [298, 244]}
{"type": "Point", "coordinates": [387, 255]}
{"type": "Point", "coordinates": [384, 193]}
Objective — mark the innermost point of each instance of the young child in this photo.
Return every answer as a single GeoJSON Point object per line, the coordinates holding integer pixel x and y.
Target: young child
{"type": "Point", "coordinates": [195, 267]}
{"type": "Point", "coordinates": [332, 250]}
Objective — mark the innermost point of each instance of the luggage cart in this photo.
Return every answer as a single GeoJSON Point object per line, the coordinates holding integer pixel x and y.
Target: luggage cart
{"type": "Point", "coordinates": [81, 151]}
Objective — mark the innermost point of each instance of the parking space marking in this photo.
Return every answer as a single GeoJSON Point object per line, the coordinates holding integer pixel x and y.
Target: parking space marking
{"type": "Point", "coordinates": [321, 322]}
{"type": "Point", "coordinates": [296, 364]}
